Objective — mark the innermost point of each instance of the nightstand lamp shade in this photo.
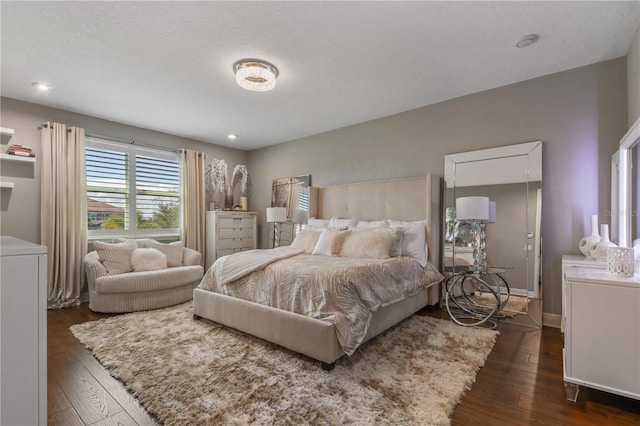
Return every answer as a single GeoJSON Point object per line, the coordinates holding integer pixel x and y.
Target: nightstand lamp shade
{"type": "Point", "coordinates": [474, 209]}
{"type": "Point", "coordinates": [492, 212]}
{"type": "Point", "coordinates": [276, 214]}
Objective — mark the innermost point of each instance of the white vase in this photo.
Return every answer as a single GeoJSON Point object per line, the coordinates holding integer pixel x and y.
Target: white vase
{"type": "Point", "coordinates": [589, 242]}
{"type": "Point", "coordinates": [600, 251]}
{"type": "Point", "coordinates": [244, 204]}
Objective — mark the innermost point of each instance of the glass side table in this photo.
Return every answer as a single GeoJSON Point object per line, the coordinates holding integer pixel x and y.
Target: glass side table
{"type": "Point", "coordinates": [476, 297]}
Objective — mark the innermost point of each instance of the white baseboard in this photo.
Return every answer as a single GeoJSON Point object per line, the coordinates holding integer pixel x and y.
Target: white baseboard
{"type": "Point", "coordinates": [551, 320]}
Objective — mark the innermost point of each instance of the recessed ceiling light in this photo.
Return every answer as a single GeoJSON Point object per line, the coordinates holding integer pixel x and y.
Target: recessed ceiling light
{"type": "Point", "coordinates": [527, 40]}
{"type": "Point", "coordinates": [41, 86]}
{"type": "Point", "coordinates": [232, 137]}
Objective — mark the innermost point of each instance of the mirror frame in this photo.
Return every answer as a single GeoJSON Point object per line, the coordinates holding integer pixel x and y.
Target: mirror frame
{"type": "Point", "coordinates": [627, 143]}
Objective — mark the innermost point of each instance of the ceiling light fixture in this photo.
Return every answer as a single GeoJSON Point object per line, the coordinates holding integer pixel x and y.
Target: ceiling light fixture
{"type": "Point", "coordinates": [41, 86]}
{"type": "Point", "coordinates": [232, 137]}
{"type": "Point", "coordinates": [527, 40]}
{"type": "Point", "coordinates": [255, 74]}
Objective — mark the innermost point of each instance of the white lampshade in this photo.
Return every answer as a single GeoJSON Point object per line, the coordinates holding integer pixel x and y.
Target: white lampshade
{"type": "Point", "coordinates": [276, 214]}
{"type": "Point", "coordinates": [492, 212]}
{"type": "Point", "coordinates": [300, 216]}
{"type": "Point", "coordinates": [472, 208]}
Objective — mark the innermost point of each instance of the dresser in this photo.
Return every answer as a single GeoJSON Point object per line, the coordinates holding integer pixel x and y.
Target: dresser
{"type": "Point", "coordinates": [23, 324]}
{"type": "Point", "coordinates": [570, 261]}
{"type": "Point", "coordinates": [229, 232]}
{"type": "Point", "coordinates": [602, 333]}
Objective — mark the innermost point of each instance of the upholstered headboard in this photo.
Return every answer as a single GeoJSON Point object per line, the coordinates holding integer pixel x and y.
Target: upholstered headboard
{"type": "Point", "coordinates": [400, 199]}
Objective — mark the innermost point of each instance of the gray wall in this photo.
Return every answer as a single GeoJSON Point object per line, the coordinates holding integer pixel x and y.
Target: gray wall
{"type": "Point", "coordinates": [20, 206]}
{"type": "Point", "coordinates": [580, 115]}
{"type": "Point", "coordinates": [633, 79]}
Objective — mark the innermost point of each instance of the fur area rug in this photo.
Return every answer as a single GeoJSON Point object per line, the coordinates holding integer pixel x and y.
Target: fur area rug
{"type": "Point", "coordinates": [188, 372]}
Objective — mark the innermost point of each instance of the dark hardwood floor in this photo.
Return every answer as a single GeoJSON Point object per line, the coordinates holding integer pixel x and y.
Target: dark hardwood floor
{"type": "Point", "coordinates": [521, 384]}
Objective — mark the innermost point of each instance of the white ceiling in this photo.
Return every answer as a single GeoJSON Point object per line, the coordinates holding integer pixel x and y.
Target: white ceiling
{"type": "Point", "coordinates": [167, 66]}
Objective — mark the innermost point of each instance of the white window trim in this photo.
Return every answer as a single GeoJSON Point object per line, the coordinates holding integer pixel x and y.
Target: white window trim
{"type": "Point", "coordinates": [132, 150]}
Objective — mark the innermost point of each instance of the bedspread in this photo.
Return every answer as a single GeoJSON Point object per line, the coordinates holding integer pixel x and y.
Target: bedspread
{"type": "Point", "coordinates": [344, 291]}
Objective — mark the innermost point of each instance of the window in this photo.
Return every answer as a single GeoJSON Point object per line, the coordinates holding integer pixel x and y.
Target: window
{"type": "Point", "coordinates": [131, 190]}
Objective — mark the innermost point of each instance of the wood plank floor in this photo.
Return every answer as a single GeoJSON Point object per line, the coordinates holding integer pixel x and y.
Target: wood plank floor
{"type": "Point", "coordinates": [521, 384]}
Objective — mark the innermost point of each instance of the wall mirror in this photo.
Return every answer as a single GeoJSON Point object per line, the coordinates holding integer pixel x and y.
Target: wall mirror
{"type": "Point", "coordinates": [625, 204]}
{"type": "Point", "coordinates": [292, 193]}
{"type": "Point", "coordinates": [511, 177]}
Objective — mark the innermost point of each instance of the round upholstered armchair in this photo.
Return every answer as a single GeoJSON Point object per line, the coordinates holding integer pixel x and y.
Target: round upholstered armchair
{"type": "Point", "coordinates": [138, 275]}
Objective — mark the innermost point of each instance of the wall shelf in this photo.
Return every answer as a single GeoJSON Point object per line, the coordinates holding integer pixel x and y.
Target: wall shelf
{"type": "Point", "coordinates": [7, 184]}
{"type": "Point", "coordinates": [17, 158]}
{"type": "Point", "coordinates": [5, 131]}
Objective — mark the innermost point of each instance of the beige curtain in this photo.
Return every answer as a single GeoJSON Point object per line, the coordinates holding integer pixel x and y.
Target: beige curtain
{"type": "Point", "coordinates": [63, 220]}
{"type": "Point", "coordinates": [193, 201]}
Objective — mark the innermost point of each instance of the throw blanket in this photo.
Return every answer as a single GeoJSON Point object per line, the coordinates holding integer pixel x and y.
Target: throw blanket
{"type": "Point", "coordinates": [344, 291]}
{"type": "Point", "coordinates": [231, 268]}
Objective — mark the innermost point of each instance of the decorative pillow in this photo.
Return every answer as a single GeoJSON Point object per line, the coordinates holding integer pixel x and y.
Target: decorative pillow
{"type": "Point", "coordinates": [148, 259]}
{"type": "Point", "coordinates": [116, 258]}
{"type": "Point", "coordinates": [414, 242]}
{"type": "Point", "coordinates": [318, 223]}
{"type": "Point", "coordinates": [368, 243]}
{"type": "Point", "coordinates": [173, 251]}
{"type": "Point", "coordinates": [307, 239]}
{"type": "Point", "coordinates": [141, 242]}
{"type": "Point", "coordinates": [334, 222]}
{"type": "Point", "coordinates": [330, 242]}
{"type": "Point", "coordinates": [398, 237]}
{"type": "Point", "coordinates": [373, 224]}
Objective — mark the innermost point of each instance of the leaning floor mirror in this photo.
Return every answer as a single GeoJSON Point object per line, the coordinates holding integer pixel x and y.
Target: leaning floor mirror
{"type": "Point", "coordinates": [505, 239]}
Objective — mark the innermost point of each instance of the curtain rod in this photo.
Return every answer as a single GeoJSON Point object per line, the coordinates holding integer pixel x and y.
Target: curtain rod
{"type": "Point", "coordinates": [46, 125]}
{"type": "Point", "coordinates": [131, 142]}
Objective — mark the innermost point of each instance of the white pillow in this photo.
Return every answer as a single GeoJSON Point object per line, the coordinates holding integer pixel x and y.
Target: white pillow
{"type": "Point", "coordinates": [414, 242]}
{"type": "Point", "coordinates": [116, 258]}
{"type": "Point", "coordinates": [148, 259]}
{"type": "Point", "coordinates": [318, 223]}
{"type": "Point", "coordinates": [307, 239]}
{"type": "Point", "coordinates": [173, 251]}
{"type": "Point", "coordinates": [342, 223]}
{"type": "Point", "coordinates": [368, 243]}
{"type": "Point", "coordinates": [373, 224]}
{"type": "Point", "coordinates": [330, 242]}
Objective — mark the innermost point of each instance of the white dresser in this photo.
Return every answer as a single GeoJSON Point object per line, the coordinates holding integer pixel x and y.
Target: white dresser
{"type": "Point", "coordinates": [570, 261]}
{"type": "Point", "coordinates": [602, 333]}
{"type": "Point", "coordinates": [23, 324]}
{"type": "Point", "coordinates": [229, 232]}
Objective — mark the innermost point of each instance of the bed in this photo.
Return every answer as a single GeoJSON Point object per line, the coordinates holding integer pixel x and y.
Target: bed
{"type": "Point", "coordinates": [403, 199]}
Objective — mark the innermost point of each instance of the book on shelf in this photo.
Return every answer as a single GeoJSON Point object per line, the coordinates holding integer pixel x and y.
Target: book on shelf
{"type": "Point", "coordinates": [20, 151]}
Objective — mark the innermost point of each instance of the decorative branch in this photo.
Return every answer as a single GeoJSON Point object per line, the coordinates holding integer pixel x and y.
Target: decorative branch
{"type": "Point", "coordinates": [240, 169]}
{"type": "Point", "coordinates": [217, 177]}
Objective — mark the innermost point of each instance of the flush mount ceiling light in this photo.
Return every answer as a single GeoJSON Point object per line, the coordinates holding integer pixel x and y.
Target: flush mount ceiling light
{"type": "Point", "coordinates": [41, 86]}
{"type": "Point", "coordinates": [255, 74]}
{"type": "Point", "coordinates": [527, 40]}
{"type": "Point", "coordinates": [232, 137]}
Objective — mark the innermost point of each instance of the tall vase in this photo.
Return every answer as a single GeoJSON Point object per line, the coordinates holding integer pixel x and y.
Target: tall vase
{"type": "Point", "coordinates": [600, 251]}
{"type": "Point", "coordinates": [589, 242]}
{"type": "Point", "coordinates": [228, 200]}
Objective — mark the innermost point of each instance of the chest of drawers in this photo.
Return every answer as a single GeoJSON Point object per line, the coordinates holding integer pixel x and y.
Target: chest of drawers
{"type": "Point", "coordinates": [229, 232]}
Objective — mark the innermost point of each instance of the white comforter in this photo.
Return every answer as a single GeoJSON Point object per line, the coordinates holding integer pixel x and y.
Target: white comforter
{"type": "Point", "coordinates": [345, 291]}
